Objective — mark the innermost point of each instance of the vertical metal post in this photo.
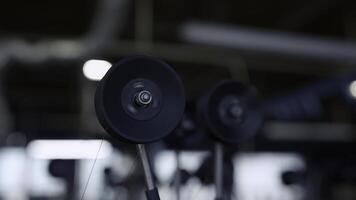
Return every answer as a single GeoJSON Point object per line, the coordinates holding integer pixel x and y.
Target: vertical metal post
{"type": "Point", "coordinates": [177, 180]}
{"type": "Point", "coordinates": [146, 166]}
{"type": "Point", "coordinates": [144, 21]}
{"type": "Point", "coordinates": [218, 173]}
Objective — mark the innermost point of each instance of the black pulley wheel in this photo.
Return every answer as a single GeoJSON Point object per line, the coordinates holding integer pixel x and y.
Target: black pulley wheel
{"type": "Point", "coordinates": [140, 100]}
{"type": "Point", "coordinates": [229, 111]}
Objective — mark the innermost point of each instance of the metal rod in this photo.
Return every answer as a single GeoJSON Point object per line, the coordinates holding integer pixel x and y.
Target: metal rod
{"type": "Point", "coordinates": [218, 173]}
{"type": "Point", "coordinates": [146, 166]}
{"type": "Point", "coordinates": [263, 41]}
{"type": "Point", "coordinates": [144, 21]}
{"type": "Point", "coordinates": [177, 181]}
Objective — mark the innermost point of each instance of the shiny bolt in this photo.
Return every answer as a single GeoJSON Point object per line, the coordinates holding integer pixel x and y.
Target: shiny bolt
{"type": "Point", "coordinates": [143, 98]}
{"type": "Point", "coordinates": [235, 111]}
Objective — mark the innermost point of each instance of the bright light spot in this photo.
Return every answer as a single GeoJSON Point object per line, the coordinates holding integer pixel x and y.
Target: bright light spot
{"type": "Point", "coordinates": [12, 176]}
{"type": "Point", "coordinates": [165, 165]}
{"type": "Point", "coordinates": [69, 149]}
{"type": "Point", "coordinates": [191, 161]}
{"type": "Point", "coordinates": [352, 89]}
{"type": "Point", "coordinates": [166, 162]}
{"type": "Point", "coordinates": [95, 70]}
{"type": "Point", "coordinates": [263, 171]}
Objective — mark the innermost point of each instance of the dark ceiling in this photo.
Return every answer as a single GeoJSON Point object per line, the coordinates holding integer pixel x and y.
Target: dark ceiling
{"type": "Point", "coordinates": [48, 96]}
{"type": "Point", "coordinates": [70, 18]}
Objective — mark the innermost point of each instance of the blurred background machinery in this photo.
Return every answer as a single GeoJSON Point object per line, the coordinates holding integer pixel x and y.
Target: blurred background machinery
{"type": "Point", "coordinates": [298, 57]}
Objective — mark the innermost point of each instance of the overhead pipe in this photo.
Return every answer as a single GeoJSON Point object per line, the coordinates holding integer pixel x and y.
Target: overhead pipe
{"type": "Point", "coordinates": [255, 40]}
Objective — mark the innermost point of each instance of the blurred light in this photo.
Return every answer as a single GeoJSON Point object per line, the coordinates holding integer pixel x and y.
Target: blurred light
{"type": "Point", "coordinates": [69, 149]}
{"type": "Point", "coordinates": [95, 70]}
{"type": "Point", "coordinates": [263, 171]}
{"type": "Point", "coordinates": [165, 165]}
{"type": "Point", "coordinates": [352, 89]}
{"type": "Point", "coordinates": [166, 162]}
{"type": "Point", "coordinates": [13, 172]}
{"type": "Point", "coordinates": [191, 161]}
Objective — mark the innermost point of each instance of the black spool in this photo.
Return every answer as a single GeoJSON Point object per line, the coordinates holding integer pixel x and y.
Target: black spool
{"type": "Point", "coordinates": [229, 111]}
{"type": "Point", "coordinates": [140, 100]}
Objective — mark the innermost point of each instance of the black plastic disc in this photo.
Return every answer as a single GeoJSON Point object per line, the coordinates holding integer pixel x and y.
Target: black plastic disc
{"type": "Point", "coordinates": [140, 100]}
{"type": "Point", "coordinates": [229, 111]}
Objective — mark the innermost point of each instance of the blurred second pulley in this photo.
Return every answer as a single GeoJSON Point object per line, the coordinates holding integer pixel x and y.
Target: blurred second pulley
{"type": "Point", "coordinates": [229, 111]}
